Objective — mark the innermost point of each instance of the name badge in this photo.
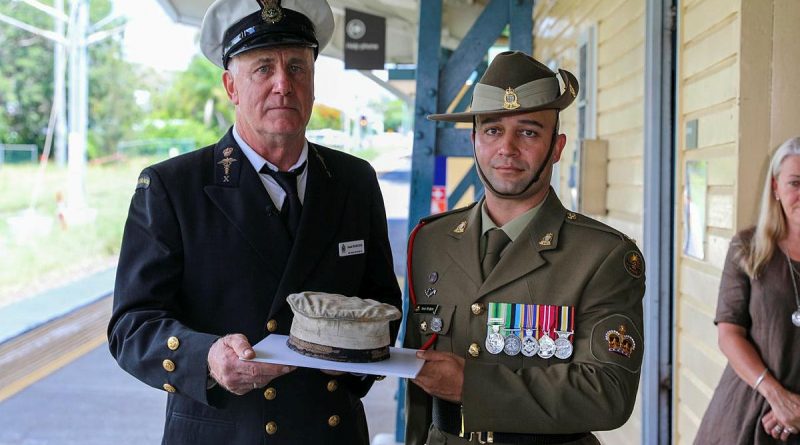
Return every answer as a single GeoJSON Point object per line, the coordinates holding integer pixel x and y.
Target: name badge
{"type": "Point", "coordinates": [348, 248]}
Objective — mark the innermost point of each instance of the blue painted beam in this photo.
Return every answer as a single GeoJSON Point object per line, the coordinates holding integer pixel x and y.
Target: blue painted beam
{"type": "Point", "coordinates": [472, 50]}
{"type": "Point", "coordinates": [521, 25]}
{"type": "Point", "coordinates": [453, 142]}
{"type": "Point", "coordinates": [469, 179]}
{"type": "Point", "coordinates": [422, 160]}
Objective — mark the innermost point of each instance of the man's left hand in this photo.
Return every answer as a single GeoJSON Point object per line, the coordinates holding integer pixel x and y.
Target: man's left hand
{"type": "Point", "coordinates": [442, 375]}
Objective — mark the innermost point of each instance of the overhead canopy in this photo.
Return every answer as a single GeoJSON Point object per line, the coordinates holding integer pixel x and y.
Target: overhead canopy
{"type": "Point", "coordinates": [402, 20]}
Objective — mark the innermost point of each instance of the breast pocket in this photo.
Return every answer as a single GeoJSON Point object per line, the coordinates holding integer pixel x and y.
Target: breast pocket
{"type": "Point", "coordinates": [429, 320]}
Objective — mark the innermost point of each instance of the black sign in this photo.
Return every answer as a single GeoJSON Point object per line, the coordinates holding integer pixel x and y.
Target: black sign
{"type": "Point", "coordinates": [364, 41]}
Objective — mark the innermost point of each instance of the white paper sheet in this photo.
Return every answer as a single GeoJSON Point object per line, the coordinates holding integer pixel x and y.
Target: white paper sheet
{"type": "Point", "coordinates": [402, 362]}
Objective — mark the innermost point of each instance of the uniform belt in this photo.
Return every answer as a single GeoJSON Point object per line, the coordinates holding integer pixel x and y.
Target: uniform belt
{"type": "Point", "coordinates": [446, 417]}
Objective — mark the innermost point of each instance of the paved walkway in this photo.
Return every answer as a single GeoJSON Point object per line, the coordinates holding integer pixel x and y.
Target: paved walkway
{"type": "Point", "coordinates": [92, 401]}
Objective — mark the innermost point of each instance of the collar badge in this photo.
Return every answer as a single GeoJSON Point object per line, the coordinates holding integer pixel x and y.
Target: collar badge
{"type": "Point", "coordinates": [226, 163]}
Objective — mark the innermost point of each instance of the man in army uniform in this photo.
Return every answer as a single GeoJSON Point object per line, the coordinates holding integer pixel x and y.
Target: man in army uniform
{"type": "Point", "coordinates": [529, 315]}
{"type": "Point", "coordinates": [216, 240]}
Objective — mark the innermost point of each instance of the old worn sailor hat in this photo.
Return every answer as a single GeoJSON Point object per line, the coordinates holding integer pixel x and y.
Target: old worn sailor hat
{"type": "Point", "coordinates": [231, 27]}
{"type": "Point", "coordinates": [515, 82]}
{"type": "Point", "coordinates": [339, 328]}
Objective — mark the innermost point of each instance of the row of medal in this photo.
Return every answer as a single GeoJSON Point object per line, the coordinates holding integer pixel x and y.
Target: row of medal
{"type": "Point", "coordinates": [515, 328]}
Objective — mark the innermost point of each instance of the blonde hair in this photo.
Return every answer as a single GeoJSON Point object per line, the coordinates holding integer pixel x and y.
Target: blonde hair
{"type": "Point", "coordinates": [771, 226]}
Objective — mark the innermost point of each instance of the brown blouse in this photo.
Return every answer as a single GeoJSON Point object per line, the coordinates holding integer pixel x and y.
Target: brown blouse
{"type": "Point", "coordinates": [764, 307]}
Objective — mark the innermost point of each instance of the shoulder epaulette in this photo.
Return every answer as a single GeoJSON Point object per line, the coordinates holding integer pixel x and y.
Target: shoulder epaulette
{"type": "Point", "coordinates": [584, 221]}
{"type": "Point", "coordinates": [430, 218]}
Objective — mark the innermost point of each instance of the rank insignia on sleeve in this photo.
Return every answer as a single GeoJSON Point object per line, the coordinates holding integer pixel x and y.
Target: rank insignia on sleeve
{"type": "Point", "coordinates": [143, 182]}
{"type": "Point", "coordinates": [619, 342]}
{"type": "Point", "coordinates": [634, 264]}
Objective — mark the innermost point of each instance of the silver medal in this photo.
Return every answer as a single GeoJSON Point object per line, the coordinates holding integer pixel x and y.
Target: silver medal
{"type": "Point", "coordinates": [494, 339]}
{"type": "Point", "coordinates": [436, 324]}
{"type": "Point", "coordinates": [547, 347]}
{"type": "Point", "coordinates": [796, 318]}
{"type": "Point", "coordinates": [563, 345]}
{"type": "Point", "coordinates": [529, 344]}
{"type": "Point", "coordinates": [513, 344]}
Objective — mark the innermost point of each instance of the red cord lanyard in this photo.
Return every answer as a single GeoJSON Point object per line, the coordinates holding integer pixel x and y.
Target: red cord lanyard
{"type": "Point", "coordinates": [411, 295]}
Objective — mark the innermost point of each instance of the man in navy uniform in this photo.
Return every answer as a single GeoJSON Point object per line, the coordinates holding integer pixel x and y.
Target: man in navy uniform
{"type": "Point", "coordinates": [531, 314]}
{"type": "Point", "coordinates": [218, 238]}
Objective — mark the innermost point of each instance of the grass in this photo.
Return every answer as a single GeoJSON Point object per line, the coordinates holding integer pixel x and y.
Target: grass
{"type": "Point", "coordinates": [39, 259]}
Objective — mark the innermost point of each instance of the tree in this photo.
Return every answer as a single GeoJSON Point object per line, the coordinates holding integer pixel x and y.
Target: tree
{"type": "Point", "coordinates": [26, 82]}
{"type": "Point", "coordinates": [323, 116]}
{"type": "Point", "coordinates": [26, 77]}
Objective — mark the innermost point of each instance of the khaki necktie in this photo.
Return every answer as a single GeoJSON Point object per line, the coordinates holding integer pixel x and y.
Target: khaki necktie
{"type": "Point", "coordinates": [496, 241]}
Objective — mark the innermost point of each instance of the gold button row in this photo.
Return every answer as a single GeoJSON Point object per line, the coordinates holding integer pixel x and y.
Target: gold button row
{"type": "Point", "coordinates": [271, 427]}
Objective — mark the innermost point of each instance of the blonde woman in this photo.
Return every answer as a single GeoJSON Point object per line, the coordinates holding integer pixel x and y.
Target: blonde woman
{"type": "Point", "coordinates": [758, 320]}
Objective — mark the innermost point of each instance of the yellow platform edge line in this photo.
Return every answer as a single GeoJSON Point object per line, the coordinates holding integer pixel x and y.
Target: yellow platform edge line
{"type": "Point", "coordinates": [51, 367]}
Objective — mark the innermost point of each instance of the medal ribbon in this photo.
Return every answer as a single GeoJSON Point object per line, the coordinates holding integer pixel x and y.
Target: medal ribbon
{"type": "Point", "coordinates": [566, 319]}
{"type": "Point", "coordinates": [548, 319]}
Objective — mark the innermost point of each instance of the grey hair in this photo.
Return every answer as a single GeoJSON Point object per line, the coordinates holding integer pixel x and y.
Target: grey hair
{"type": "Point", "coordinates": [771, 226]}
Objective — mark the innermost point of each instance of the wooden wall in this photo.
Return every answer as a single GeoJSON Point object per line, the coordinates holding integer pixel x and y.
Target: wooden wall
{"type": "Point", "coordinates": [619, 110]}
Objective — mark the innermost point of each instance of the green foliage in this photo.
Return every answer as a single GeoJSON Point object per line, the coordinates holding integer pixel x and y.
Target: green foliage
{"type": "Point", "coordinates": [26, 77]}
{"type": "Point", "coordinates": [26, 82]}
{"type": "Point", "coordinates": [112, 107]}
{"type": "Point", "coordinates": [395, 115]}
{"type": "Point", "coordinates": [189, 94]}
{"type": "Point", "coordinates": [323, 116]}
{"type": "Point", "coordinates": [179, 129]}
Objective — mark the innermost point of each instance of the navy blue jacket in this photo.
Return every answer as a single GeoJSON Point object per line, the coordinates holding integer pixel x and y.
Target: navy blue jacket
{"type": "Point", "coordinates": [205, 254]}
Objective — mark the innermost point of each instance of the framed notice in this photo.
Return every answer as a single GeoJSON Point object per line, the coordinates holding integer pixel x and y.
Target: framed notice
{"type": "Point", "coordinates": [694, 209]}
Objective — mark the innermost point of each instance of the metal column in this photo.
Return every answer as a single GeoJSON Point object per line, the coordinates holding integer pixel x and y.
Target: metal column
{"type": "Point", "coordinates": [659, 219]}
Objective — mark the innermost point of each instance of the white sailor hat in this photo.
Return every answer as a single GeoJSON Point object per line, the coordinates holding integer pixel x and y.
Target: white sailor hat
{"type": "Point", "coordinates": [339, 328]}
{"type": "Point", "coordinates": [231, 27]}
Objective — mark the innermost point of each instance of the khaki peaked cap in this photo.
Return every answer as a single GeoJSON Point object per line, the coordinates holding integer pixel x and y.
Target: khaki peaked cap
{"type": "Point", "coordinates": [515, 82]}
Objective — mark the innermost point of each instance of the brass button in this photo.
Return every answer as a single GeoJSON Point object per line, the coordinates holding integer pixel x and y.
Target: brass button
{"type": "Point", "coordinates": [333, 420]}
{"type": "Point", "coordinates": [272, 325]}
{"type": "Point", "coordinates": [474, 350]}
{"type": "Point", "coordinates": [333, 385]}
{"type": "Point", "coordinates": [169, 365]}
{"type": "Point", "coordinates": [423, 326]}
{"type": "Point", "coordinates": [173, 343]}
{"type": "Point", "coordinates": [169, 388]}
{"type": "Point", "coordinates": [270, 393]}
{"type": "Point", "coordinates": [477, 308]}
{"type": "Point", "coordinates": [272, 428]}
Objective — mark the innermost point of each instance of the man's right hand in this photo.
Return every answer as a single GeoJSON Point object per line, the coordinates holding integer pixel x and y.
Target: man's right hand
{"type": "Point", "coordinates": [228, 366]}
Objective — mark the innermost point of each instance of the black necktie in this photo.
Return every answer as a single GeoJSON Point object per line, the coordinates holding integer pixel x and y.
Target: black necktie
{"type": "Point", "coordinates": [291, 209]}
{"type": "Point", "coordinates": [496, 241]}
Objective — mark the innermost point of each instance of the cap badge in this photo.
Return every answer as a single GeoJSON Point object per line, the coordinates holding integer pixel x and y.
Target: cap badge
{"type": "Point", "coordinates": [634, 264]}
{"type": "Point", "coordinates": [272, 12]}
{"type": "Point", "coordinates": [226, 164]}
{"type": "Point", "coordinates": [619, 342]}
{"type": "Point", "coordinates": [510, 99]}
{"type": "Point", "coordinates": [546, 240]}
{"type": "Point", "coordinates": [461, 227]}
